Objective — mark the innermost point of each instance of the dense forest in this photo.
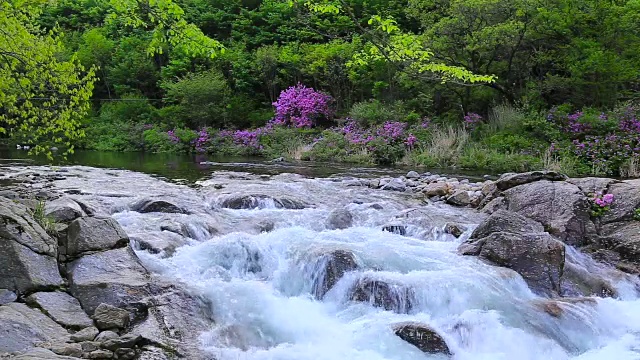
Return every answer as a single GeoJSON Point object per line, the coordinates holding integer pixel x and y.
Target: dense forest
{"type": "Point", "coordinates": [502, 85]}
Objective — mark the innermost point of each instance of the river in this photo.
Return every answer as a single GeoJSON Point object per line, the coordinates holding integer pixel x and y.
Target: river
{"type": "Point", "coordinates": [260, 267]}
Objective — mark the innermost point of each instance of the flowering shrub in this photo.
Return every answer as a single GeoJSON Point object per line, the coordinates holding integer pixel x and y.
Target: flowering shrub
{"type": "Point", "coordinates": [172, 137]}
{"type": "Point", "coordinates": [472, 121]}
{"type": "Point", "coordinates": [202, 140]}
{"type": "Point", "coordinates": [300, 106]}
{"type": "Point", "coordinates": [601, 204]}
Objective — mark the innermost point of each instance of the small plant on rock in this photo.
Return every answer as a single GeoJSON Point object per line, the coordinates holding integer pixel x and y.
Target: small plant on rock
{"type": "Point", "coordinates": [636, 214]}
{"type": "Point", "coordinates": [601, 204]}
{"type": "Point", "coordinates": [47, 223]}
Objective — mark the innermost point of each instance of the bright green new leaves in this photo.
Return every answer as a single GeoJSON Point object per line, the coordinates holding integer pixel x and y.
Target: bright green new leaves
{"type": "Point", "coordinates": [42, 97]}
{"type": "Point", "coordinates": [165, 19]}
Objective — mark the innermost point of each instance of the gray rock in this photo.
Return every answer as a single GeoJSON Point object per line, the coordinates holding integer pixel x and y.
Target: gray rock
{"type": "Point", "coordinates": [89, 346]}
{"type": "Point", "coordinates": [459, 198]}
{"type": "Point", "coordinates": [127, 341]}
{"type": "Point", "coordinates": [592, 185]}
{"type": "Point", "coordinates": [21, 328]}
{"type": "Point", "coordinates": [153, 353]}
{"type": "Point", "coordinates": [114, 277]}
{"type": "Point", "coordinates": [454, 229]}
{"type": "Point", "coordinates": [159, 242]}
{"type": "Point", "coordinates": [559, 206]}
{"type": "Point", "coordinates": [100, 354]}
{"type": "Point", "coordinates": [423, 337]}
{"type": "Point", "coordinates": [333, 267]}
{"type": "Point", "coordinates": [27, 254]}
{"type": "Point", "coordinates": [110, 317]}
{"type": "Point", "coordinates": [63, 210]}
{"type": "Point", "coordinates": [626, 198]}
{"type": "Point", "coordinates": [62, 308]}
{"type": "Point", "coordinates": [73, 350]}
{"type": "Point", "coordinates": [94, 234]}
{"type": "Point", "coordinates": [383, 294]}
{"type": "Point", "coordinates": [395, 185]}
{"type": "Point", "coordinates": [86, 334]}
{"type": "Point", "coordinates": [125, 354]}
{"type": "Point", "coordinates": [9, 194]}
{"type": "Point", "coordinates": [412, 175]}
{"type": "Point", "coordinates": [40, 354]}
{"type": "Point", "coordinates": [7, 296]}
{"type": "Point", "coordinates": [507, 181]}
{"type": "Point", "coordinates": [506, 221]}
{"type": "Point", "coordinates": [539, 258]}
{"type": "Point", "coordinates": [395, 229]}
{"type": "Point", "coordinates": [494, 205]}
{"type": "Point", "coordinates": [436, 189]}
{"type": "Point", "coordinates": [578, 281]}
{"type": "Point", "coordinates": [151, 205]}
{"type": "Point", "coordinates": [105, 336]}
{"type": "Point", "coordinates": [623, 238]}
{"type": "Point", "coordinates": [339, 219]}
{"type": "Point", "coordinates": [236, 201]}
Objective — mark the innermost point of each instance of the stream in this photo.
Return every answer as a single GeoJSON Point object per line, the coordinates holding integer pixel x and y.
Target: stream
{"type": "Point", "coordinates": [260, 269]}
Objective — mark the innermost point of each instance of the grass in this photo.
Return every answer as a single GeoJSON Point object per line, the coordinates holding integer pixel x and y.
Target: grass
{"type": "Point", "coordinates": [46, 222]}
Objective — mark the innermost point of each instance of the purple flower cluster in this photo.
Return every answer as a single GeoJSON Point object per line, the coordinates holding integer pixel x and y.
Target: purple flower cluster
{"type": "Point", "coordinates": [574, 125]}
{"type": "Point", "coordinates": [472, 120]}
{"type": "Point", "coordinates": [603, 200]}
{"type": "Point", "coordinates": [391, 130]}
{"type": "Point", "coordinates": [300, 106]}
{"type": "Point", "coordinates": [411, 141]}
{"type": "Point", "coordinates": [202, 140]}
{"type": "Point", "coordinates": [172, 137]}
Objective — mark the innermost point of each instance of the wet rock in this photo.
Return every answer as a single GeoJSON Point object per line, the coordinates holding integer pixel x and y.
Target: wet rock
{"type": "Point", "coordinates": [100, 354]}
{"type": "Point", "coordinates": [27, 253]}
{"type": "Point", "coordinates": [507, 181]}
{"type": "Point", "coordinates": [559, 206]}
{"type": "Point", "coordinates": [114, 277]}
{"type": "Point", "coordinates": [62, 308]}
{"type": "Point", "coordinates": [578, 281]}
{"type": "Point", "coordinates": [127, 341]}
{"type": "Point", "coordinates": [63, 210]}
{"type": "Point", "coordinates": [125, 354]}
{"type": "Point", "coordinates": [106, 336]}
{"type": "Point", "coordinates": [7, 296]}
{"type": "Point", "coordinates": [395, 185]}
{"type": "Point", "coordinates": [333, 266]}
{"type": "Point", "coordinates": [395, 229]}
{"type": "Point", "coordinates": [110, 317]}
{"type": "Point", "coordinates": [261, 201]}
{"type": "Point", "coordinates": [94, 234]}
{"type": "Point", "coordinates": [73, 350]}
{"type": "Point", "coordinates": [159, 242]}
{"type": "Point", "coordinates": [436, 189]}
{"type": "Point", "coordinates": [412, 175]}
{"type": "Point", "coordinates": [86, 334]}
{"type": "Point", "coordinates": [379, 293]}
{"type": "Point", "coordinates": [515, 242]}
{"type": "Point", "coordinates": [423, 337]}
{"type": "Point", "coordinates": [162, 206]}
{"type": "Point", "coordinates": [459, 198]}
{"type": "Point", "coordinates": [454, 229]}
{"type": "Point", "coordinates": [557, 307]}
{"type": "Point", "coordinates": [21, 328]}
{"type": "Point", "coordinates": [339, 219]}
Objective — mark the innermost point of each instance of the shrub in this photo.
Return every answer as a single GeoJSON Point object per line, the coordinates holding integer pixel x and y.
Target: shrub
{"type": "Point", "coordinates": [374, 112]}
{"type": "Point", "coordinates": [300, 106]}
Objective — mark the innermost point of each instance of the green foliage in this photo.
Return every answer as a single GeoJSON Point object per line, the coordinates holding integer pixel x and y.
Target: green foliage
{"type": "Point", "coordinates": [46, 222]}
{"type": "Point", "coordinates": [384, 153]}
{"type": "Point", "coordinates": [636, 214]}
{"type": "Point", "coordinates": [374, 112]}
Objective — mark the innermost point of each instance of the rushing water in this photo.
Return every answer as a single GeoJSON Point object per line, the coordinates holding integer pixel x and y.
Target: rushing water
{"type": "Point", "coordinates": [260, 282]}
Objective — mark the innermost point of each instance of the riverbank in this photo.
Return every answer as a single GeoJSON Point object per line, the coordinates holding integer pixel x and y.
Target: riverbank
{"type": "Point", "coordinates": [214, 269]}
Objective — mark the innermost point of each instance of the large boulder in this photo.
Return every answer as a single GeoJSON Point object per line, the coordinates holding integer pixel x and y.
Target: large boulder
{"type": "Point", "coordinates": [459, 198]}
{"type": "Point", "coordinates": [115, 277]}
{"type": "Point", "coordinates": [513, 241]}
{"type": "Point", "coordinates": [62, 308]}
{"type": "Point", "coordinates": [380, 293]}
{"type": "Point", "coordinates": [559, 206]}
{"type": "Point", "coordinates": [507, 181]}
{"type": "Point", "coordinates": [7, 296]}
{"type": "Point", "coordinates": [21, 328]}
{"type": "Point", "coordinates": [436, 189]}
{"type": "Point", "coordinates": [592, 185]}
{"type": "Point", "coordinates": [395, 185]}
{"type": "Point", "coordinates": [238, 201]}
{"type": "Point", "coordinates": [151, 205]}
{"type": "Point", "coordinates": [63, 210]}
{"type": "Point", "coordinates": [159, 242]}
{"type": "Point", "coordinates": [90, 234]}
{"type": "Point", "coordinates": [626, 195]}
{"type": "Point", "coordinates": [422, 336]}
{"type": "Point", "coordinates": [331, 268]}
{"type": "Point", "coordinates": [339, 219]}
{"type": "Point", "coordinates": [578, 281]}
{"type": "Point", "coordinates": [27, 253]}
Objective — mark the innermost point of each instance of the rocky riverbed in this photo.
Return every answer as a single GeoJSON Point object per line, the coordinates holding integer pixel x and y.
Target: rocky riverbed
{"type": "Point", "coordinates": [111, 264]}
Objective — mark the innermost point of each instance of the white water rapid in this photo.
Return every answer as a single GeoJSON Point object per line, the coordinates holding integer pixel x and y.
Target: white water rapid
{"type": "Point", "coordinates": [257, 267]}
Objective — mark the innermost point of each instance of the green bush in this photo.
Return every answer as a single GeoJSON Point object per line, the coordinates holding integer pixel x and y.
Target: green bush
{"type": "Point", "coordinates": [374, 112]}
{"type": "Point", "coordinates": [384, 153]}
{"type": "Point", "coordinates": [508, 142]}
{"type": "Point", "coordinates": [332, 147]}
{"type": "Point", "coordinates": [476, 157]}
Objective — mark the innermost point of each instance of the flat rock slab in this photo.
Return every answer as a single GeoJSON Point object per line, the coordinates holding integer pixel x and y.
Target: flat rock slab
{"type": "Point", "coordinates": [22, 327]}
{"type": "Point", "coordinates": [94, 234]}
{"type": "Point", "coordinates": [41, 354]}
{"type": "Point", "coordinates": [62, 308]}
{"type": "Point", "coordinates": [63, 210]}
{"type": "Point", "coordinates": [113, 277]}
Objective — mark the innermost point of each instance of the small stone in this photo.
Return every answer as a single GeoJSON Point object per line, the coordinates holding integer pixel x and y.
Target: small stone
{"type": "Point", "coordinates": [126, 354]}
{"type": "Point", "coordinates": [7, 296]}
{"type": "Point", "coordinates": [100, 354]}
{"type": "Point", "coordinates": [74, 350]}
{"type": "Point", "coordinates": [412, 175]}
{"type": "Point", "coordinates": [464, 181]}
{"type": "Point", "coordinates": [395, 229]}
{"type": "Point", "coordinates": [454, 229]}
{"type": "Point", "coordinates": [89, 346]}
{"type": "Point", "coordinates": [125, 341]}
{"type": "Point", "coordinates": [106, 335]}
{"type": "Point", "coordinates": [339, 219]}
{"type": "Point", "coordinates": [87, 334]}
{"type": "Point", "coordinates": [109, 317]}
{"type": "Point", "coordinates": [436, 189]}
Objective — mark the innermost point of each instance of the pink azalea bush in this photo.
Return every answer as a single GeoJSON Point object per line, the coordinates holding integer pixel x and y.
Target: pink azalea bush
{"type": "Point", "coordinates": [601, 204]}
{"type": "Point", "coordinates": [300, 106]}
